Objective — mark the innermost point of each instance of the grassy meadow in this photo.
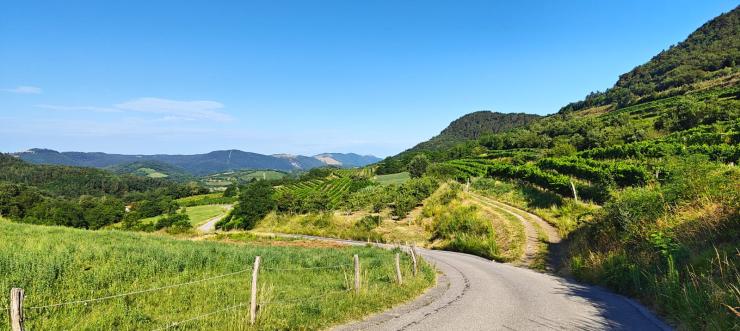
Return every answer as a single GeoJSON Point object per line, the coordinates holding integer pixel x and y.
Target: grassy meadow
{"type": "Point", "coordinates": [216, 198]}
{"type": "Point", "coordinates": [397, 179]}
{"type": "Point", "coordinates": [198, 214]}
{"type": "Point", "coordinates": [149, 172]}
{"type": "Point", "coordinates": [56, 265]}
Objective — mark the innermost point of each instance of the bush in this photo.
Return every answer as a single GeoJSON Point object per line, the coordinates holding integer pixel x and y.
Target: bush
{"type": "Point", "coordinates": [461, 229]}
{"type": "Point", "coordinates": [175, 221]}
{"type": "Point", "coordinates": [368, 222]}
{"type": "Point", "coordinates": [635, 210]}
{"type": "Point", "coordinates": [255, 202]}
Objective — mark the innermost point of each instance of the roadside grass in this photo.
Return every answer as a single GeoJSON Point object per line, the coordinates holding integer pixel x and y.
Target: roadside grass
{"type": "Point", "coordinates": [565, 214]}
{"type": "Point", "coordinates": [56, 265]}
{"type": "Point", "coordinates": [198, 214]}
{"type": "Point", "coordinates": [459, 223]}
{"type": "Point", "coordinates": [344, 226]}
{"type": "Point", "coordinates": [510, 231]}
{"type": "Point", "coordinates": [397, 179]}
{"type": "Point", "coordinates": [672, 244]}
{"type": "Point", "coordinates": [539, 261]}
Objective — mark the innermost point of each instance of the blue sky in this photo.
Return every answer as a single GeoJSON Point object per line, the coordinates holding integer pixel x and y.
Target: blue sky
{"type": "Point", "coordinates": [304, 77]}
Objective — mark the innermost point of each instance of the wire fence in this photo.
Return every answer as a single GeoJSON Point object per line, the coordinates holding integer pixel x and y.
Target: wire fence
{"type": "Point", "coordinates": [244, 304]}
{"type": "Point", "coordinates": [285, 301]}
{"type": "Point", "coordinates": [120, 295]}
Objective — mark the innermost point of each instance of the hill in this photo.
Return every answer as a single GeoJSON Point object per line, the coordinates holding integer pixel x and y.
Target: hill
{"type": "Point", "coordinates": [74, 181]}
{"type": "Point", "coordinates": [346, 160]}
{"type": "Point", "coordinates": [464, 129]}
{"type": "Point", "coordinates": [473, 126]}
{"type": "Point", "coordinates": [152, 169]}
{"type": "Point", "coordinates": [196, 164]}
{"type": "Point", "coordinates": [641, 179]}
{"type": "Point", "coordinates": [709, 56]}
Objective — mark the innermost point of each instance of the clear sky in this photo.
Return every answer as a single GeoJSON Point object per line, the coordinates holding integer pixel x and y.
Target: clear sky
{"type": "Point", "coordinates": [304, 77]}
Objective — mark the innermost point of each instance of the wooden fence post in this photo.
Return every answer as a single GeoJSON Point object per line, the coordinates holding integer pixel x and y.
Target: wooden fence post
{"type": "Point", "coordinates": [573, 188]}
{"type": "Point", "coordinates": [253, 302]}
{"type": "Point", "coordinates": [413, 258]}
{"type": "Point", "coordinates": [398, 269]}
{"type": "Point", "coordinates": [357, 274]}
{"type": "Point", "coordinates": [16, 309]}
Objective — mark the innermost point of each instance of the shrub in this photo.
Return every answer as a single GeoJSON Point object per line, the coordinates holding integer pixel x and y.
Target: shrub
{"type": "Point", "coordinates": [461, 229]}
{"type": "Point", "coordinates": [368, 222]}
{"type": "Point", "coordinates": [175, 221]}
{"type": "Point", "coordinates": [255, 202]}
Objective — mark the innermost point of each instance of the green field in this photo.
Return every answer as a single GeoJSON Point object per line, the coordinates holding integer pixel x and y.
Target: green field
{"type": "Point", "coordinates": [149, 172]}
{"type": "Point", "coordinates": [303, 285]}
{"type": "Point", "coordinates": [198, 214]}
{"type": "Point", "coordinates": [221, 180]}
{"type": "Point", "coordinates": [205, 199]}
{"type": "Point", "coordinates": [398, 178]}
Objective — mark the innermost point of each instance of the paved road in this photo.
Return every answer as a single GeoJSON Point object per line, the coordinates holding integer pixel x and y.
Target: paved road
{"type": "Point", "coordinates": [477, 294]}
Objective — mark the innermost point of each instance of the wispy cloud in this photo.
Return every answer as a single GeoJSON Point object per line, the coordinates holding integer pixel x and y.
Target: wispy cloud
{"type": "Point", "coordinates": [80, 108]}
{"type": "Point", "coordinates": [24, 90]}
{"type": "Point", "coordinates": [173, 110]}
{"type": "Point", "coordinates": [197, 109]}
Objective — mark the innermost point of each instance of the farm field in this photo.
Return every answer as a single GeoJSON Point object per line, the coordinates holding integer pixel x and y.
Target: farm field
{"type": "Point", "coordinates": [197, 214]}
{"type": "Point", "coordinates": [302, 284]}
{"type": "Point", "coordinates": [221, 180]}
{"type": "Point", "coordinates": [149, 172]}
{"type": "Point", "coordinates": [398, 178]}
{"type": "Point", "coordinates": [216, 198]}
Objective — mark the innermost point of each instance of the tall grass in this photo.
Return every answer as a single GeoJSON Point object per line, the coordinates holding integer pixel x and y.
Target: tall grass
{"type": "Point", "coordinates": [55, 265]}
{"type": "Point", "coordinates": [673, 244]}
{"type": "Point", "coordinates": [563, 213]}
{"type": "Point", "coordinates": [460, 223]}
{"type": "Point", "coordinates": [344, 226]}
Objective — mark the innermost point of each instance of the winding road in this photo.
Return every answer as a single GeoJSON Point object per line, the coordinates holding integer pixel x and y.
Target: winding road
{"type": "Point", "coordinates": [476, 294]}
{"type": "Point", "coordinates": [473, 293]}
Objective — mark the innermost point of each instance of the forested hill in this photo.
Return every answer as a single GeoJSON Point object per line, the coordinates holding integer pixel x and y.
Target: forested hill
{"type": "Point", "coordinates": [709, 56]}
{"type": "Point", "coordinates": [74, 181]}
{"type": "Point", "coordinates": [692, 83]}
{"type": "Point", "coordinates": [466, 128]}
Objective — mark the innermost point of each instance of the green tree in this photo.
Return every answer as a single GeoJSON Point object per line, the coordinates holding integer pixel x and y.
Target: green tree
{"type": "Point", "coordinates": [418, 165]}
{"type": "Point", "coordinates": [255, 201]}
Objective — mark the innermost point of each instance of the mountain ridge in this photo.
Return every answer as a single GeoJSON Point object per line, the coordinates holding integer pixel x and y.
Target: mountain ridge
{"type": "Point", "coordinates": [198, 164]}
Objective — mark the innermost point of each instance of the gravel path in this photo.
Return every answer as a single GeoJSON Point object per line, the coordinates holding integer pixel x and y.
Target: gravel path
{"type": "Point", "coordinates": [532, 225]}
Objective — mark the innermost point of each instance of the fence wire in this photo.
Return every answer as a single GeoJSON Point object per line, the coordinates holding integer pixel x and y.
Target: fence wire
{"type": "Point", "coordinates": [174, 324]}
{"type": "Point", "coordinates": [337, 266]}
{"type": "Point", "coordinates": [120, 295]}
{"type": "Point", "coordinates": [244, 304]}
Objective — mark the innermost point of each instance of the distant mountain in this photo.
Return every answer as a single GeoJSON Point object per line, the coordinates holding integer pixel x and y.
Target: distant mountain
{"type": "Point", "coordinates": [348, 160]}
{"type": "Point", "coordinates": [196, 164]}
